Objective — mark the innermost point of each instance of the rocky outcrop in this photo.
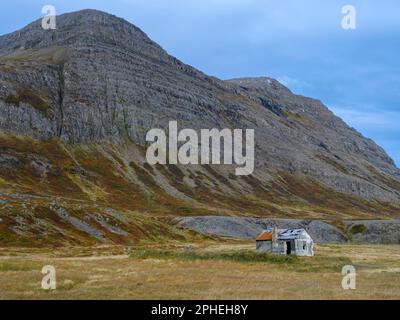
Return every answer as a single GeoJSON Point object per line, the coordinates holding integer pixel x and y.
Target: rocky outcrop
{"type": "Point", "coordinates": [249, 228]}
{"type": "Point", "coordinates": [375, 231]}
{"type": "Point", "coordinates": [98, 81]}
{"type": "Point", "coordinates": [367, 231]}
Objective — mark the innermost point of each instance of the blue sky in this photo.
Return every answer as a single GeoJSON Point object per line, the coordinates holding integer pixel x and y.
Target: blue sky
{"type": "Point", "coordinates": [356, 73]}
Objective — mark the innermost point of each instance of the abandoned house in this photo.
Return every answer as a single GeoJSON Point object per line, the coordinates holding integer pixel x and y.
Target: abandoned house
{"type": "Point", "coordinates": [285, 241]}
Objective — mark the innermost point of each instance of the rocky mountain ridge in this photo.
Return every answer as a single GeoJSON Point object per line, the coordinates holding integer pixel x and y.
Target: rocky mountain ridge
{"type": "Point", "coordinates": [76, 103]}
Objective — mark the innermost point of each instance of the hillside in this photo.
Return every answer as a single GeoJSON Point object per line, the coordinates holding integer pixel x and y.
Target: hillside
{"type": "Point", "coordinates": [75, 106]}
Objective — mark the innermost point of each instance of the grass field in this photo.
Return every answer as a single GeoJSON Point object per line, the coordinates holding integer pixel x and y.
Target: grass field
{"type": "Point", "coordinates": [210, 270]}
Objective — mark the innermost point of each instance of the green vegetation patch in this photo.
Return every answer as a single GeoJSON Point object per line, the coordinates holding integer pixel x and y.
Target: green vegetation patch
{"type": "Point", "coordinates": [24, 95]}
{"type": "Point", "coordinates": [358, 228]}
{"type": "Point", "coordinates": [294, 263]}
{"type": "Point", "coordinates": [8, 266]}
{"type": "Point", "coordinates": [237, 256]}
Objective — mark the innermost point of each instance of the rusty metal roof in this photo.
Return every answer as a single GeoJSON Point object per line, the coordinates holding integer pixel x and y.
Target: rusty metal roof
{"type": "Point", "coordinates": [265, 236]}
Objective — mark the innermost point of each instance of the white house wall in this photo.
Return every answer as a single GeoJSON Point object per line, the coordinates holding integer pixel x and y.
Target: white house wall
{"type": "Point", "coordinates": [303, 245]}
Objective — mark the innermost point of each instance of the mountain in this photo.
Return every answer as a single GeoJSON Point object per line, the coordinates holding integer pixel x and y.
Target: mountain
{"type": "Point", "coordinates": [76, 104]}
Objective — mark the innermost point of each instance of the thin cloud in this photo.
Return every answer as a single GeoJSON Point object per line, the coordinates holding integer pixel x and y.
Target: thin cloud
{"type": "Point", "coordinates": [294, 84]}
{"type": "Point", "coordinates": [374, 119]}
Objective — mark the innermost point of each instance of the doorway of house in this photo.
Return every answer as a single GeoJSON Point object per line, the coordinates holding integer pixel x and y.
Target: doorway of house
{"type": "Point", "coordinates": [288, 247]}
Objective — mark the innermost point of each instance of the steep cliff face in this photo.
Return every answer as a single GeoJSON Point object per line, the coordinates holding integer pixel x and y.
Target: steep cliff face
{"type": "Point", "coordinates": [76, 103]}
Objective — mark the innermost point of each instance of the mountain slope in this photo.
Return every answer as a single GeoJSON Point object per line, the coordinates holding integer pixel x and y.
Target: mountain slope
{"type": "Point", "coordinates": [76, 103]}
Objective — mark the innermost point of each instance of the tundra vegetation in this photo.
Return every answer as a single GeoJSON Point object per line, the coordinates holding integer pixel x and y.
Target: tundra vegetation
{"type": "Point", "coordinates": [77, 192]}
{"type": "Point", "coordinates": [198, 270]}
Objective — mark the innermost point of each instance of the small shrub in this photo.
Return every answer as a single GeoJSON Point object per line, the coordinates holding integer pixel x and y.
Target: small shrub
{"type": "Point", "coordinates": [358, 228]}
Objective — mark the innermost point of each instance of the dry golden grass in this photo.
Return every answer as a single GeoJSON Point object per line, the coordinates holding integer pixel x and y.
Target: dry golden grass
{"type": "Point", "coordinates": [111, 273]}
